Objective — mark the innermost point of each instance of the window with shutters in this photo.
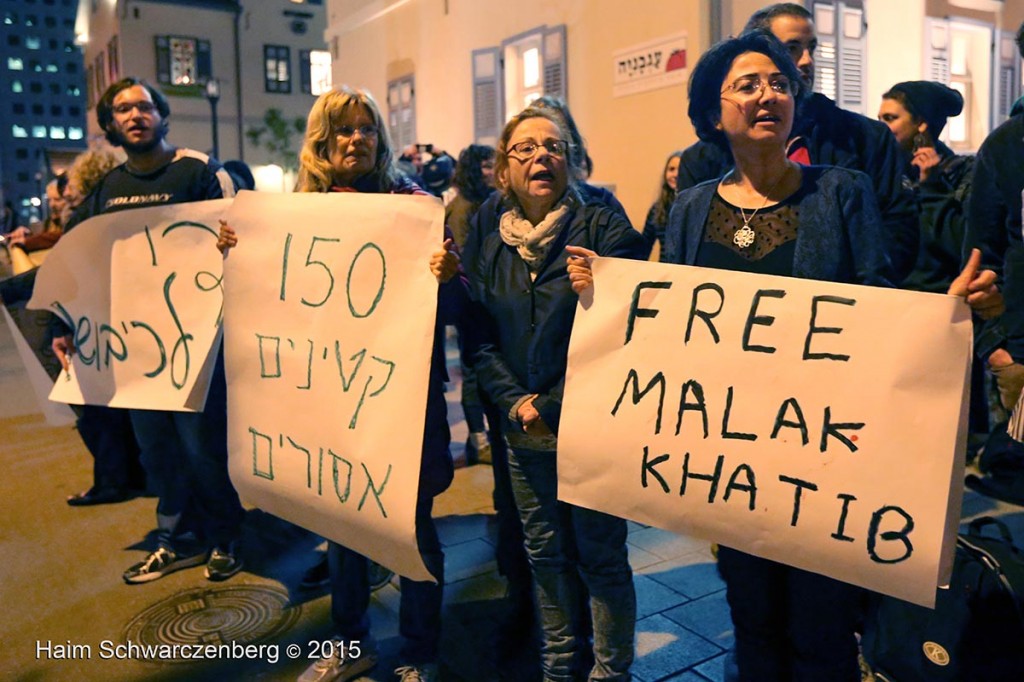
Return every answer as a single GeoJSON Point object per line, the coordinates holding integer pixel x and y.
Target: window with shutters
{"type": "Point", "coordinates": [113, 60]}
{"type": "Point", "coordinates": [277, 71]}
{"type": "Point", "coordinates": [402, 112]}
{"type": "Point", "coordinates": [840, 57]}
{"type": "Point", "coordinates": [1009, 76]}
{"type": "Point", "coordinates": [182, 63]}
{"type": "Point", "coordinates": [315, 71]}
{"type": "Point", "coordinates": [507, 79]}
{"type": "Point", "coordinates": [958, 53]}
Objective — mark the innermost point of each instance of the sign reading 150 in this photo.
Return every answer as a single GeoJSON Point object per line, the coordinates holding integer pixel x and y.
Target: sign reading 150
{"type": "Point", "coordinates": [316, 279]}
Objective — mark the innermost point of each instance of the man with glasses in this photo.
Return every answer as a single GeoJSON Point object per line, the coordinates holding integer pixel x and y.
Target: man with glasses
{"type": "Point", "coordinates": [184, 453]}
{"type": "Point", "coordinates": [824, 134]}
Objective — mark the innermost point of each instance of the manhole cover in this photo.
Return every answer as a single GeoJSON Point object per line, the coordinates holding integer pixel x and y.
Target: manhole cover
{"type": "Point", "coordinates": [221, 615]}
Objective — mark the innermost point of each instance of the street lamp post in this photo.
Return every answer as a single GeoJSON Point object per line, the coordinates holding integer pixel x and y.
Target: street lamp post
{"type": "Point", "coordinates": [213, 94]}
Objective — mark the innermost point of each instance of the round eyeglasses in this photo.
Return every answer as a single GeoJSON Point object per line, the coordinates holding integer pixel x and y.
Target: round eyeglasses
{"type": "Point", "coordinates": [753, 86]}
{"type": "Point", "coordinates": [528, 149]}
{"type": "Point", "coordinates": [364, 130]}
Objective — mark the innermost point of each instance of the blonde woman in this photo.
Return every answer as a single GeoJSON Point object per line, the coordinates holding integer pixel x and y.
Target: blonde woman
{"type": "Point", "coordinates": [347, 149]}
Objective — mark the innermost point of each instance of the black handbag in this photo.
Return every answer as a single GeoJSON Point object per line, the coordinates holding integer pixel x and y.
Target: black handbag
{"type": "Point", "coordinates": [976, 631]}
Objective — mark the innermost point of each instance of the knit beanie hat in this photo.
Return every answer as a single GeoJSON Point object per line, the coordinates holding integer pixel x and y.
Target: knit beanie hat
{"type": "Point", "coordinates": [931, 102]}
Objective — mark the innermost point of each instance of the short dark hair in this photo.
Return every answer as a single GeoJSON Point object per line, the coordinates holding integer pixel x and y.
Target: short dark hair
{"type": "Point", "coordinates": [105, 107]}
{"type": "Point", "coordinates": [705, 88]}
{"type": "Point", "coordinates": [1020, 39]}
{"type": "Point", "coordinates": [469, 180]}
{"type": "Point", "coordinates": [762, 19]}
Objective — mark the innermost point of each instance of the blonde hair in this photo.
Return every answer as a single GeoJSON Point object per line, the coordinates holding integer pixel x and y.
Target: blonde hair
{"type": "Point", "coordinates": [315, 171]}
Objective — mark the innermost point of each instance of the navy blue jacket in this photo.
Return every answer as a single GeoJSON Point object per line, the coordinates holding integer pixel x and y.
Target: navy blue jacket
{"type": "Point", "coordinates": [994, 226]}
{"type": "Point", "coordinates": [836, 137]}
{"type": "Point", "coordinates": [526, 322]}
{"type": "Point", "coordinates": [838, 239]}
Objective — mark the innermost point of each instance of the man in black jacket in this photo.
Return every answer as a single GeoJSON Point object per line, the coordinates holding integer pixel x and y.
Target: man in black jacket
{"type": "Point", "coordinates": [827, 135]}
{"type": "Point", "coordinates": [994, 226]}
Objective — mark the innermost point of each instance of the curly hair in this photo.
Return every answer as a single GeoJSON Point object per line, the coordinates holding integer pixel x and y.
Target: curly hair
{"type": "Point", "coordinates": [572, 157]}
{"type": "Point", "coordinates": [315, 171]}
{"type": "Point", "coordinates": [105, 106]}
{"type": "Point", "coordinates": [85, 174]}
{"type": "Point", "coordinates": [469, 180]}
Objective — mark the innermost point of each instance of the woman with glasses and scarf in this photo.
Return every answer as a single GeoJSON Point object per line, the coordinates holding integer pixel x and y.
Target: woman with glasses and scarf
{"type": "Point", "coordinates": [521, 283]}
{"type": "Point", "coordinates": [347, 149]}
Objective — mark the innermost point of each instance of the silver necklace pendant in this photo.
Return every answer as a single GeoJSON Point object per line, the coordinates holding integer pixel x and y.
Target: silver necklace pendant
{"type": "Point", "coordinates": [744, 236]}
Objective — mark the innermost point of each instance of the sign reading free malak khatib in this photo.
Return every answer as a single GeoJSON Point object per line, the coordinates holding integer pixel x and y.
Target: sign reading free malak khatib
{"type": "Point", "coordinates": [816, 424]}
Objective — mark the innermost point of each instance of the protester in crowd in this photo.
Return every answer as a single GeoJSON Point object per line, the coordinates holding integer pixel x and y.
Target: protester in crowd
{"type": "Point", "coordinates": [916, 113]}
{"type": "Point", "coordinates": [523, 291]}
{"type": "Point", "coordinates": [657, 215]}
{"type": "Point", "coordinates": [241, 174]}
{"type": "Point", "coordinates": [184, 453]}
{"type": "Point", "coordinates": [437, 175]}
{"type": "Point", "coordinates": [511, 557]}
{"type": "Point", "coordinates": [9, 219]}
{"type": "Point", "coordinates": [825, 134]}
{"type": "Point", "coordinates": [347, 149]}
{"type": "Point", "coordinates": [789, 623]}
{"type": "Point", "coordinates": [994, 226]}
{"type": "Point", "coordinates": [473, 183]}
{"type": "Point", "coordinates": [28, 248]}
{"type": "Point", "coordinates": [410, 161]}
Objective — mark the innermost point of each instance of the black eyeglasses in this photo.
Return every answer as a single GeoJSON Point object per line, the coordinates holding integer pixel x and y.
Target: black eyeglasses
{"type": "Point", "coordinates": [143, 107]}
{"type": "Point", "coordinates": [528, 149]}
{"type": "Point", "coordinates": [753, 86]}
{"type": "Point", "coordinates": [364, 130]}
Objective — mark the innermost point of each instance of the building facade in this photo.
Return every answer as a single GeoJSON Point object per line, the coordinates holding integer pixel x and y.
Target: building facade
{"type": "Point", "coordinates": [42, 110]}
{"type": "Point", "coordinates": [263, 56]}
{"type": "Point", "coordinates": [450, 72]}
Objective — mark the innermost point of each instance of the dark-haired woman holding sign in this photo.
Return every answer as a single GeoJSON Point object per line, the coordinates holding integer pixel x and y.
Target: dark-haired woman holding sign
{"type": "Point", "coordinates": [771, 216]}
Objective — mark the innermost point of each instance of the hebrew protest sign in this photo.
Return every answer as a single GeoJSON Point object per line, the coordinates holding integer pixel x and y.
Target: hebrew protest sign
{"type": "Point", "coordinates": [816, 424]}
{"type": "Point", "coordinates": [329, 326]}
{"type": "Point", "coordinates": [140, 290]}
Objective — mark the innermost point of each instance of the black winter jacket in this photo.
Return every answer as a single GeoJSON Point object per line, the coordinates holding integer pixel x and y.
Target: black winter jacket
{"type": "Point", "coordinates": [526, 323]}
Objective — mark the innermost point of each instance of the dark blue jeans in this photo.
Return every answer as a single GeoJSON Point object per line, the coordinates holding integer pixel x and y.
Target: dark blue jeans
{"type": "Point", "coordinates": [561, 540]}
{"type": "Point", "coordinates": [185, 455]}
{"type": "Point", "coordinates": [790, 624]}
{"type": "Point", "coordinates": [419, 611]}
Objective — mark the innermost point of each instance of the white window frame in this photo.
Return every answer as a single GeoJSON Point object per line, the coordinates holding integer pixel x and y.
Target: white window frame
{"type": "Point", "coordinates": [500, 86]}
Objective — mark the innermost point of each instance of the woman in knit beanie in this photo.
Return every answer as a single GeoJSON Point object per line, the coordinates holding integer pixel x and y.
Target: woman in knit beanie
{"type": "Point", "coordinates": [916, 112]}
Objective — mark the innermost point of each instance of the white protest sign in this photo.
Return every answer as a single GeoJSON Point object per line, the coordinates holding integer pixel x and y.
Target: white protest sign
{"type": "Point", "coordinates": [328, 332]}
{"type": "Point", "coordinates": [141, 290]}
{"type": "Point", "coordinates": [816, 424]}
